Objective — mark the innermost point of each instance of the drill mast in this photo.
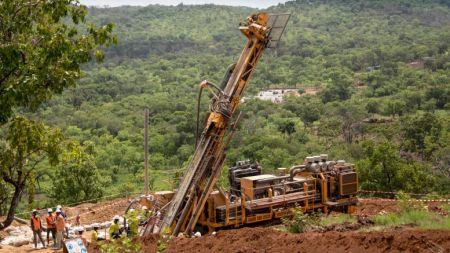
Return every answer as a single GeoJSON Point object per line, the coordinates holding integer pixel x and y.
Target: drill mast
{"type": "Point", "coordinates": [183, 212]}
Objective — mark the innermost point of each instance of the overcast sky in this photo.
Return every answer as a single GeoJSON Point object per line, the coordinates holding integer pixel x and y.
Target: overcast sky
{"type": "Point", "coordinates": [251, 3]}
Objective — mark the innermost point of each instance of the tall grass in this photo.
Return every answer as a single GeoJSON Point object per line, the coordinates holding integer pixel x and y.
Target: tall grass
{"type": "Point", "coordinates": [337, 219]}
{"type": "Point", "coordinates": [420, 218]}
{"type": "Point", "coordinates": [415, 214]}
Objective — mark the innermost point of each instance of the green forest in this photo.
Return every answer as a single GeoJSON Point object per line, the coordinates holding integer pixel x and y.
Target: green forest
{"type": "Point", "coordinates": [381, 69]}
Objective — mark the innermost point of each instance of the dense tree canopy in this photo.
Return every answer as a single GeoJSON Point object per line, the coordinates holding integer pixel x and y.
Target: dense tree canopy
{"type": "Point", "coordinates": [369, 70]}
{"type": "Point", "coordinates": [40, 55]}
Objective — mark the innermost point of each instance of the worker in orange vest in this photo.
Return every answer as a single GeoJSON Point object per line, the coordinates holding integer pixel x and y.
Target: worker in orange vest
{"type": "Point", "coordinates": [60, 228]}
{"type": "Point", "coordinates": [36, 226]}
{"type": "Point", "coordinates": [51, 227]}
{"type": "Point", "coordinates": [64, 215]}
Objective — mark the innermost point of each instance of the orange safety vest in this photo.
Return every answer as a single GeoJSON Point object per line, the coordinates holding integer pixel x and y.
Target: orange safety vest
{"type": "Point", "coordinates": [60, 226]}
{"type": "Point", "coordinates": [36, 223]}
{"type": "Point", "coordinates": [50, 219]}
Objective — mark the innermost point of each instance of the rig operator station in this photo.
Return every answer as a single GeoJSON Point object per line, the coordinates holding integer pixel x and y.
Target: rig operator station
{"type": "Point", "coordinates": [198, 205]}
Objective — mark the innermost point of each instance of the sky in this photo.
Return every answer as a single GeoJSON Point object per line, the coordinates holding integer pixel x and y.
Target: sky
{"type": "Point", "coordinates": [250, 3]}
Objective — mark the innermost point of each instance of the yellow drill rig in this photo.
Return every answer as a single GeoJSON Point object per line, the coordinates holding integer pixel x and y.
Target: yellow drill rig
{"type": "Point", "coordinates": [315, 184]}
{"type": "Point", "coordinates": [183, 212]}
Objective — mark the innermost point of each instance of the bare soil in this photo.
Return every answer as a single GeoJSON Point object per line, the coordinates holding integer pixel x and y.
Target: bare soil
{"type": "Point", "coordinates": [374, 206]}
{"type": "Point", "coordinates": [339, 238]}
{"type": "Point", "coordinates": [270, 240]}
{"type": "Point", "coordinates": [97, 212]}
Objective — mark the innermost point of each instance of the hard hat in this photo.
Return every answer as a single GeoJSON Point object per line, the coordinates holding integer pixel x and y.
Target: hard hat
{"type": "Point", "coordinates": [95, 225]}
{"type": "Point", "coordinates": [34, 211]}
{"type": "Point", "coordinates": [50, 210]}
{"type": "Point", "coordinates": [58, 210]}
{"type": "Point", "coordinates": [131, 210]}
{"type": "Point", "coordinates": [117, 217]}
{"type": "Point", "coordinates": [58, 207]}
{"type": "Point", "coordinates": [79, 229]}
{"type": "Point", "coordinates": [144, 207]}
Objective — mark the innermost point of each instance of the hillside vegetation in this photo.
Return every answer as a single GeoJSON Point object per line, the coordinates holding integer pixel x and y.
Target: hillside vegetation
{"type": "Point", "coordinates": [382, 68]}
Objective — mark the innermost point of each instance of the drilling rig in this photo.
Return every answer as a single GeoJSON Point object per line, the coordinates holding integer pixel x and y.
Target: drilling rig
{"type": "Point", "coordinates": [253, 197]}
{"type": "Point", "coordinates": [182, 213]}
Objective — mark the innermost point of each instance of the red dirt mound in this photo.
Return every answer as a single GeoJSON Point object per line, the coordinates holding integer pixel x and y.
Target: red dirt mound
{"type": "Point", "coordinates": [374, 206]}
{"type": "Point", "coordinates": [98, 212]}
{"type": "Point", "coordinates": [270, 240]}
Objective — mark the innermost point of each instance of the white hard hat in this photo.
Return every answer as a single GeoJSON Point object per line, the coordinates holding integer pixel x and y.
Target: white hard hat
{"type": "Point", "coordinates": [95, 225]}
{"type": "Point", "coordinates": [58, 207]}
{"type": "Point", "coordinates": [50, 210]}
{"type": "Point", "coordinates": [117, 217]}
{"type": "Point", "coordinates": [144, 207]}
{"type": "Point", "coordinates": [131, 210]}
{"type": "Point", "coordinates": [58, 210]}
{"type": "Point", "coordinates": [79, 229]}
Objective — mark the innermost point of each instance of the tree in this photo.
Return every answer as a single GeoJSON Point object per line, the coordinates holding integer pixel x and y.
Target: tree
{"type": "Point", "coordinates": [440, 95]}
{"type": "Point", "coordinates": [344, 117]}
{"type": "Point", "coordinates": [373, 107]}
{"type": "Point", "coordinates": [77, 177]}
{"type": "Point", "coordinates": [383, 169]}
{"type": "Point", "coordinates": [308, 108]}
{"type": "Point", "coordinates": [40, 55]}
{"type": "Point", "coordinates": [395, 107]}
{"type": "Point", "coordinates": [415, 130]}
{"type": "Point", "coordinates": [42, 46]}
{"type": "Point", "coordinates": [5, 190]}
{"type": "Point", "coordinates": [287, 127]}
{"type": "Point", "coordinates": [27, 144]}
{"type": "Point", "coordinates": [339, 88]}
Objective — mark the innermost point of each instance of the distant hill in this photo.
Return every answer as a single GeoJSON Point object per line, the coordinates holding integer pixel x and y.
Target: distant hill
{"type": "Point", "coordinates": [164, 53]}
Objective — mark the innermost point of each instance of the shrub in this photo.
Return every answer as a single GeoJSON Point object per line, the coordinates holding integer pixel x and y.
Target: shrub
{"type": "Point", "coordinates": [300, 222]}
{"type": "Point", "coordinates": [123, 244]}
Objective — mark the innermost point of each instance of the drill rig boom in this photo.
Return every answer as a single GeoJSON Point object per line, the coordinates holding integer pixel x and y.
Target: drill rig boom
{"type": "Point", "coordinates": [189, 200]}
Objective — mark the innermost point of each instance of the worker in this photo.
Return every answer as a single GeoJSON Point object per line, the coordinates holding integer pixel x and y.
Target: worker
{"type": "Point", "coordinates": [77, 219]}
{"type": "Point", "coordinates": [36, 227]}
{"type": "Point", "coordinates": [114, 229]}
{"type": "Point", "coordinates": [94, 235]}
{"type": "Point", "coordinates": [64, 215]}
{"type": "Point", "coordinates": [133, 223]}
{"type": "Point", "coordinates": [60, 228]}
{"type": "Point", "coordinates": [79, 230]}
{"type": "Point", "coordinates": [51, 228]}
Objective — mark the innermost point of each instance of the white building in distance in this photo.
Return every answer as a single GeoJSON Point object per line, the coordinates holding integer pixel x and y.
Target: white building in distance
{"type": "Point", "coordinates": [276, 95]}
